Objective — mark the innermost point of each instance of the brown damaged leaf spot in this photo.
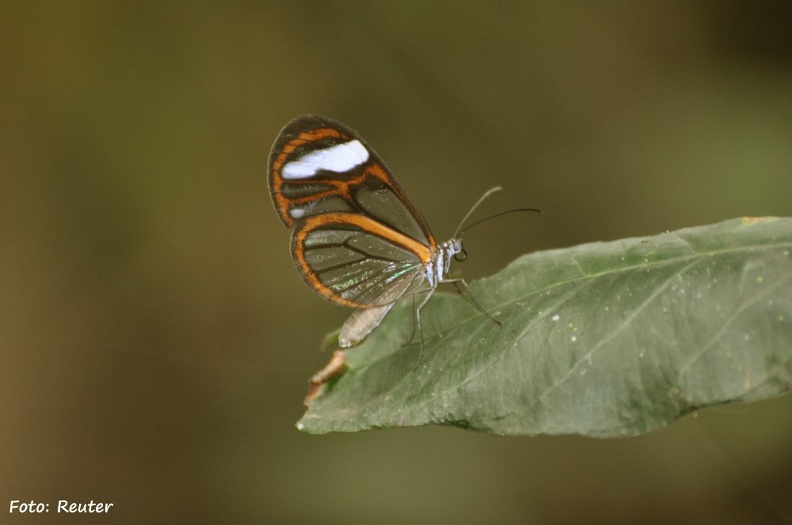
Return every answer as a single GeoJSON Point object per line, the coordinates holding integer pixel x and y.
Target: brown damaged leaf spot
{"type": "Point", "coordinates": [332, 370]}
{"type": "Point", "coordinates": [755, 220]}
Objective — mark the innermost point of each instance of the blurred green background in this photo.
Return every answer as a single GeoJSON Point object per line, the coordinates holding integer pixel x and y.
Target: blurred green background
{"type": "Point", "coordinates": [156, 339]}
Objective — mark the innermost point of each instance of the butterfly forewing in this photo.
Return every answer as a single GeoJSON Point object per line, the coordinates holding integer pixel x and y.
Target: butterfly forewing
{"type": "Point", "coordinates": [357, 239]}
{"type": "Point", "coordinates": [318, 165]}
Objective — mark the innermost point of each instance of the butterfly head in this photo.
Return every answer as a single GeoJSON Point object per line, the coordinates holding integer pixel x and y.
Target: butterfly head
{"type": "Point", "coordinates": [438, 267]}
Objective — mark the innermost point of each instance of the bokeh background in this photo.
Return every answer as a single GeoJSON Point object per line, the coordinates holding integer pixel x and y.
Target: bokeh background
{"type": "Point", "coordinates": [155, 339]}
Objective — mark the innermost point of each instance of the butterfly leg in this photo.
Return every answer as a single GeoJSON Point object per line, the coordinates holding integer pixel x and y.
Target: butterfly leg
{"type": "Point", "coordinates": [462, 287]}
{"type": "Point", "coordinates": [412, 334]}
{"type": "Point", "coordinates": [418, 322]}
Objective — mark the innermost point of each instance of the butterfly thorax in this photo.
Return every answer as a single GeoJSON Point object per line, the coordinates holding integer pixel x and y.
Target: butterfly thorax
{"type": "Point", "coordinates": [437, 268]}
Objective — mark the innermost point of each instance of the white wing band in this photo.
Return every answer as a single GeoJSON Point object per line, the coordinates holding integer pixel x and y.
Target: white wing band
{"type": "Point", "coordinates": [338, 159]}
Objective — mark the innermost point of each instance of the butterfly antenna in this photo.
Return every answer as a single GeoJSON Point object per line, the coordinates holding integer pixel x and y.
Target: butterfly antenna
{"type": "Point", "coordinates": [489, 192]}
{"type": "Point", "coordinates": [478, 203]}
{"type": "Point", "coordinates": [498, 215]}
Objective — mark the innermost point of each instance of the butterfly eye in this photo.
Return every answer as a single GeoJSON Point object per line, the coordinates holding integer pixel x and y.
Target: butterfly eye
{"type": "Point", "coordinates": [461, 255]}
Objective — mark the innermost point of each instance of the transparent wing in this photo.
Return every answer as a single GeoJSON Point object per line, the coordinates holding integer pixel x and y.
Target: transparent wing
{"type": "Point", "coordinates": [352, 260]}
{"type": "Point", "coordinates": [318, 165]}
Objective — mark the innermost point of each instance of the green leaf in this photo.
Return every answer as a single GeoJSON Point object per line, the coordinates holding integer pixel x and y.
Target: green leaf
{"type": "Point", "coordinates": [603, 339]}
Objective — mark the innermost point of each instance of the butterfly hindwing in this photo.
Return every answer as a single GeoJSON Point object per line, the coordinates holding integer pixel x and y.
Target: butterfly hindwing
{"type": "Point", "coordinates": [353, 260]}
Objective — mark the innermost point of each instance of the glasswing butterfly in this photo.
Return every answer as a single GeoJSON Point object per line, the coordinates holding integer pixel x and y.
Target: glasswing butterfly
{"type": "Point", "coordinates": [357, 239]}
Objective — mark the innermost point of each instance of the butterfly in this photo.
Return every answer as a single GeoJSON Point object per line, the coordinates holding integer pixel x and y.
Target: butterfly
{"type": "Point", "coordinates": [357, 239]}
